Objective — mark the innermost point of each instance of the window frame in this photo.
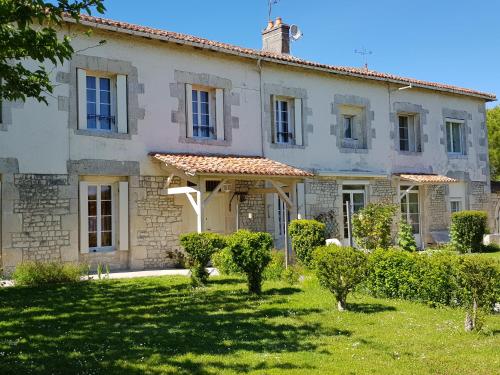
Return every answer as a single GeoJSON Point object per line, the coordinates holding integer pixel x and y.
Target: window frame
{"type": "Point", "coordinates": [449, 136]}
{"type": "Point", "coordinates": [458, 201]}
{"type": "Point", "coordinates": [351, 189]}
{"type": "Point", "coordinates": [212, 133]}
{"type": "Point", "coordinates": [413, 136]}
{"type": "Point", "coordinates": [351, 127]}
{"type": "Point", "coordinates": [98, 216]}
{"type": "Point", "coordinates": [112, 104]}
{"type": "Point", "coordinates": [278, 123]}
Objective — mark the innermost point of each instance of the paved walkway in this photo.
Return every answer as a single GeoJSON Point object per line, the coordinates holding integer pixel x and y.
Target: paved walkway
{"type": "Point", "coordinates": [133, 274]}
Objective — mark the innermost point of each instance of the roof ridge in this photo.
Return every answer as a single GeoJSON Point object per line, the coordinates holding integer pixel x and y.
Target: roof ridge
{"type": "Point", "coordinates": [281, 58]}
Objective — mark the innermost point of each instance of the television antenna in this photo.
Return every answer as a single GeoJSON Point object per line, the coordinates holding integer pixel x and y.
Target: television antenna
{"type": "Point", "coordinates": [295, 33]}
{"type": "Point", "coordinates": [364, 53]}
{"type": "Point", "coordinates": [270, 4]}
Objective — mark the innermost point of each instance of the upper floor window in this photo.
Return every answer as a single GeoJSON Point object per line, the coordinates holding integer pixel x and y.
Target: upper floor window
{"type": "Point", "coordinates": [100, 114]}
{"type": "Point", "coordinates": [353, 132]}
{"type": "Point", "coordinates": [348, 125]}
{"type": "Point", "coordinates": [409, 133]}
{"type": "Point", "coordinates": [455, 137]}
{"type": "Point", "coordinates": [282, 121]}
{"type": "Point", "coordinates": [102, 101]}
{"type": "Point", "coordinates": [203, 126]}
{"type": "Point", "coordinates": [205, 113]}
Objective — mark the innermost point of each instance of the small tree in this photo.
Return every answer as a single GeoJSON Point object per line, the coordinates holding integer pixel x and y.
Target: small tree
{"type": "Point", "coordinates": [479, 282]}
{"type": "Point", "coordinates": [306, 236]}
{"type": "Point", "coordinates": [468, 229]}
{"type": "Point", "coordinates": [252, 253]}
{"type": "Point", "coordinates": [340, 270]}
{"type": "Point", "coordinates": [199, 248]}
{"type": "Point", "coordinates": [406, 239]}
{"type": "Point", "coordinates": [371, 226]}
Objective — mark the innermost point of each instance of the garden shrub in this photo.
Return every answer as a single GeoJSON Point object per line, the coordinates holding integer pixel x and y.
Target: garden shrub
{"type": "Point", "coordinates": [306, 235]}
{"type": "Point", "coordinates": [252, 253]}
{"type": "Point", "coordinates": [406, 239]}
{"type": "Point", "coordinates": [224, 262]}
{"type": "Point", "coordinates": [371, 226]}
{"type": "Point", "coordinates": [199, 248]}
{"type": "Point", "coordinates": [291, 275]}
{"type": "Point", "coordinates": [276, 266]}
{"type": "Point", "coordinates": [340, 270]}
{"type": "Point", "coordinates": [467, 230]}
{"type": "Point", "coordinates": [43, 273]}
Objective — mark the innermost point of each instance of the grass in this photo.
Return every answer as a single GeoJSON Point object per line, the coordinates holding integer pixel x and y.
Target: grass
{"type": "Point", "coordinates": [161, 326]}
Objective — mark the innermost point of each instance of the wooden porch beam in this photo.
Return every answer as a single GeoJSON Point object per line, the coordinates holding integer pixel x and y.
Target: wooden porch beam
{"type": "Point", "coordinates": [282, 194]}
{"type": "Point", "coordinates": [215, 191]}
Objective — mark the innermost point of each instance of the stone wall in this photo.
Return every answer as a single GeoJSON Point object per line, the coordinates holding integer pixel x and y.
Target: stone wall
{"type": "Point", "coordinates": [160, 227]}
{"type": "Point", "coordinates": [479, 196]}
{"type": "Point", "coordinates": [494, 212]}
{"type": "Point", "coordinates": [323, 203]}
{"type": "Point", "coordinates": [382, 191]}
{"type": "Point", "coordinates": [43, 202]}
{"type": "Point", "coordinates": [436, 208]}
{"type": "Point", "coordinates": [254, 204]}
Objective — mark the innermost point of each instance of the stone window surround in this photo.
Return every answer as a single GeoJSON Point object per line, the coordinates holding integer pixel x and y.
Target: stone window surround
{"type": "Point", "coordinates": [421, 114]}
{"type": "Point", "coordinates": [271, 90]}
{"type": "Point", "coordinates": [463, 116]}
{"type": "Point", "coordinates": [110, 66]}
{"type": "Point", "coordinates": [6, 112]}
{"type": "Point", "coordinates": [369, 116]}
{"type": "Point", "coordinates": [178, 91]}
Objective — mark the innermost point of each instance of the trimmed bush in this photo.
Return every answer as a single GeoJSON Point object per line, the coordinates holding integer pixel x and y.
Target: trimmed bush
{"type": "Point", "coordinates": [276, 267]}
{"type": "Point", "coordinates": [44, 273]}
{"type": "Point", "coordinates": [406, 239]}
{"type": "Point", "coordinates": [252, 253]}
{"type": "Point", "coordinates": [371, 226]}
{"type": "Point", "coordinates": [306, 235]}
{"type": "Point", "coordinates": [467, 230]}
{"type": "Point", "coordinates": [224, 262]}
{"type": "Point", "coordinates": [199, 248]}
{"type": "Point", "coordinates": [340, 270]}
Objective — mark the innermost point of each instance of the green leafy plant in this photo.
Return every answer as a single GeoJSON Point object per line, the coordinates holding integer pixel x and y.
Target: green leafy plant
{"type": "Point", "coordinates": [224, 262]}
{"type": "Point", "coordinates": [467, 230]}
{"type": "Point", "coordinates": [43, 273]}
{"type": "Point", "coordinates": [199, 248]}
{"type": "Point", "coordinates": [251, 251]}
{"type": "Point", "coordinates": [371, 226]}
{"type": "Point", "coordinates": [306, 235]}
{"type": "Point", "coordinates": [340, 270]}
{"type": "Point", "coordinates": [276, 266]}
{"type": "Point", "coordinates": [291, 275]}
{"type": "Point", "coordinates": [406, 239]}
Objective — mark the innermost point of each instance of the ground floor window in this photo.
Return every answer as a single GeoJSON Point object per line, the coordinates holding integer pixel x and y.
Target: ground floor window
{"type": "Point", "coordinates": [455, 205]}
{"type": "Point", "coordinates": [100, 216]}
{"type": "Point", "coordinates": [354, 197]}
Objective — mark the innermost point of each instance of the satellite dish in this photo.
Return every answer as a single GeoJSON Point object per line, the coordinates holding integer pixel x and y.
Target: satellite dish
{"type": "Point", "coordinates": [295, 32]}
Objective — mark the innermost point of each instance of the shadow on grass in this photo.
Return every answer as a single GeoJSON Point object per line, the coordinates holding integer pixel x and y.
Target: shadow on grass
{"type": "Point", "coordinates": [146, 326]}
{"type": "Point", "coordinates": [369, 308]}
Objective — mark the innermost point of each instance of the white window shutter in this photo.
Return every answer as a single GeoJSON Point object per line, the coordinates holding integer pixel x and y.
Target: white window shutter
{"type": "Point", "coordinates": [298, 121]}
{"type": "Point", "coordinates": [189, 110]}
{"type": "Point", "coordinates": [84, 218]}
{"type": "Point", "coordinates": [121, 103]}
{"type": "Point", "coordinates": [274, 129]}
{"type": "Point", "coordinates": [82, 98]}
{"type": "Point", "coordinates": [219, 113]}
{"type": "Point", "coordinates": [301, 199]}
{"type": "Point", "coordinates": [123, 214]}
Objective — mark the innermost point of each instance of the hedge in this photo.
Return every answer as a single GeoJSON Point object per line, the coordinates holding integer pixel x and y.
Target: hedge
{"type": "Point", "coordinates": [467, 230]}
{"type": "Point", "coordinates": [306, 235]}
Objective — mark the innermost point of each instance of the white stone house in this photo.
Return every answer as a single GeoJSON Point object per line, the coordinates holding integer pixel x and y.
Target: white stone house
{"type": "Point", "coordinates": [155, 133]}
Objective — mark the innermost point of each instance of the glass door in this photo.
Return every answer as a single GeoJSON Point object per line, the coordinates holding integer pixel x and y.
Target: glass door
{"type": "Point", "coordinates": [410, 210]}
{"type": "Point", "coordinates": [354, 196]}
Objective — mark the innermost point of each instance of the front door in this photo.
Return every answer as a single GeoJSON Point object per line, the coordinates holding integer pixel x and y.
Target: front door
{"type": "Point", "coordinates": [281, 220]}
{"type": "Point", "coordinates": [215, 214]}
{"type": "Point", "coordinates": [410, 210]}
{"type": "Point", "coordinates": [354, 196]}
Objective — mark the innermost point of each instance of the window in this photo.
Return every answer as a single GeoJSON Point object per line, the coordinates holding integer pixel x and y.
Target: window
{"type": "Point", "coordinates": [454, 137]}
{"type": "Point", "coordinates": [99, 110]}
{"type": "Point", "coordinates": [282, 120]}
{"type": "Point", "coordinates": [455, 205]}
{"type": "Point", "coordinates": [410, 209]}
{"type": "Point", "coordinates": [100, 216]}
{"type": "Point", "coordinates": [348, 125]}
{"type": "Point", "coordinates": [409, 133]}
{"type": "Point", "coordinates": [354, 196]}
{"type": "Point", "coordinates": [202, 124]}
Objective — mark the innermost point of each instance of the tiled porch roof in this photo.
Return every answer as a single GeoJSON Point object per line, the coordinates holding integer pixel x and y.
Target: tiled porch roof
{"type": "Point", "coordinates": [422, 178]}
{"type": "Point", "coordinates": [229, 165]}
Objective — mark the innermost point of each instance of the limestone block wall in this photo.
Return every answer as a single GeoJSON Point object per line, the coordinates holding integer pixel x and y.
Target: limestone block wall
{"type": "Point", "coordinates": [479, 196]}
{"type": "Point", "coordinates": [323, 203]}
{"type": "Point", "coordinates": [494, 212]}
{"type": "Point", "coordinates": [254, 204]}
{"type": "Point", "coordinates": [435, 208]}
{"type": "Point", "coordinates": [383, 191]}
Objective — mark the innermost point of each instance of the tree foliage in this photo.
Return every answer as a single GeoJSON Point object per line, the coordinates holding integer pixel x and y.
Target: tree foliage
{"type": "Point", "coordinates": [467, 230]}
{"type": "Point", "coordinates": [306, 236]}
{"type": "Point", "coordinates": [406, 239]}
{"type": "Point", "coordinates": [371, 226]}
{"type": "Point", "coordinates": [493, 120]}
{"type": "Point", "coordinates": [28, 32]}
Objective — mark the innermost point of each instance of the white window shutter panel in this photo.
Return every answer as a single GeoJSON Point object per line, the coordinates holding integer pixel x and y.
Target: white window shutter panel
{"type": "Point", "coordinates": [301, 199]}
{"type": "Point", "coordinates": [121, 103]}
{"type": "Point", "coordinates": [298, 121]}
{"type": "Point", "coordinates": [219, 113]}
{"type": "Point", "coordinates": [84, 218]}
{"type": "Point", "coordinates": [123, 215]}
{"type": "Point", "coordinates": [189, 110]}
{"type": "Point", "coordinates": [82, 98]}
{"type": "Point", "coordinates": [274, 130]}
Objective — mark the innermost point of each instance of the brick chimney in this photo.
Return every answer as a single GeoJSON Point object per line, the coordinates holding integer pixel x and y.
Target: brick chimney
{"type": "Point", "coordinates": [276, 37]}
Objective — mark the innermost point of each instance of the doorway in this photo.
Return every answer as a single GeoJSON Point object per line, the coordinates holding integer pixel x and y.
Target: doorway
{"type": "Point", "coordinates": [410, 210]}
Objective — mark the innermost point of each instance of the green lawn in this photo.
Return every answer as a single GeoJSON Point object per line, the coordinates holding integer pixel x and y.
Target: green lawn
{"type": "Point", "coordinates": [161, 326]}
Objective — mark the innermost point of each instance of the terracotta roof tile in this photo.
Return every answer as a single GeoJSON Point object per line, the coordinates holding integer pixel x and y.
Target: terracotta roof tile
{"type": "Point", "coordinates": [125, 27]}
{"type": "Point", "coordinates": [427, 178]}
{"type": "Point", "coordinates": [229, 164]}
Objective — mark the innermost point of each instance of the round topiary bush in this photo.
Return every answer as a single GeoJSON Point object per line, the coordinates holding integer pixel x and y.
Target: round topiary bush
{"type": "Point", "coordinates": [306, 235]}
{"type": "Point", "coordinates": [467, 230]}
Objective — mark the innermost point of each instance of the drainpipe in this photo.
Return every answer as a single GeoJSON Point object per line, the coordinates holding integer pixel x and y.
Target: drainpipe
{"type": "Point", "coordinates": [259, 66]}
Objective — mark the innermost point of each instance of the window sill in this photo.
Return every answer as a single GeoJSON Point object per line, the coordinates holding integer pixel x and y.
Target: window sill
{"type": "Point", "coordinates": [457, 156]}
{"type": "Point", "coordinates": [349, 150]}
{"type": "Point", "coordinates": [102, 250]}
{"type": "Point", "coordinates": [102, 134]}
{"type": "Point", "coordinates": [410, 153]}
{"type": "Point", "coordinates": [205, 141]}
{"type": "Point", "coordinates": [287, 146]}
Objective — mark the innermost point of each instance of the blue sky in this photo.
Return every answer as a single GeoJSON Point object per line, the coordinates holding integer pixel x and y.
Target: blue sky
{"type": "Point", "coordinates": [449, 41]}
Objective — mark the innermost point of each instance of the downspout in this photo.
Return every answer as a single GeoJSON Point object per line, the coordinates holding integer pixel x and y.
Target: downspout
{"type": "Point", "coordinates": [259, 66]}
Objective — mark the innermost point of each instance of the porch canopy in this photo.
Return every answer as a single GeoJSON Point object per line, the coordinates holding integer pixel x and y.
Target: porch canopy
{"type": "Point", "coordinates": [197, 168]}
{"type": "Point", "coordinates": [426, 179]}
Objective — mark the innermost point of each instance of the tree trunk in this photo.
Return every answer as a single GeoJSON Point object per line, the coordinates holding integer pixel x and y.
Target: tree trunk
{"type": "Point", "coordinates": [474, 313]}
{"type": "Point", "coordinates": [469, 325]}
{"type": "Point", "coordinates": [342, 302]}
